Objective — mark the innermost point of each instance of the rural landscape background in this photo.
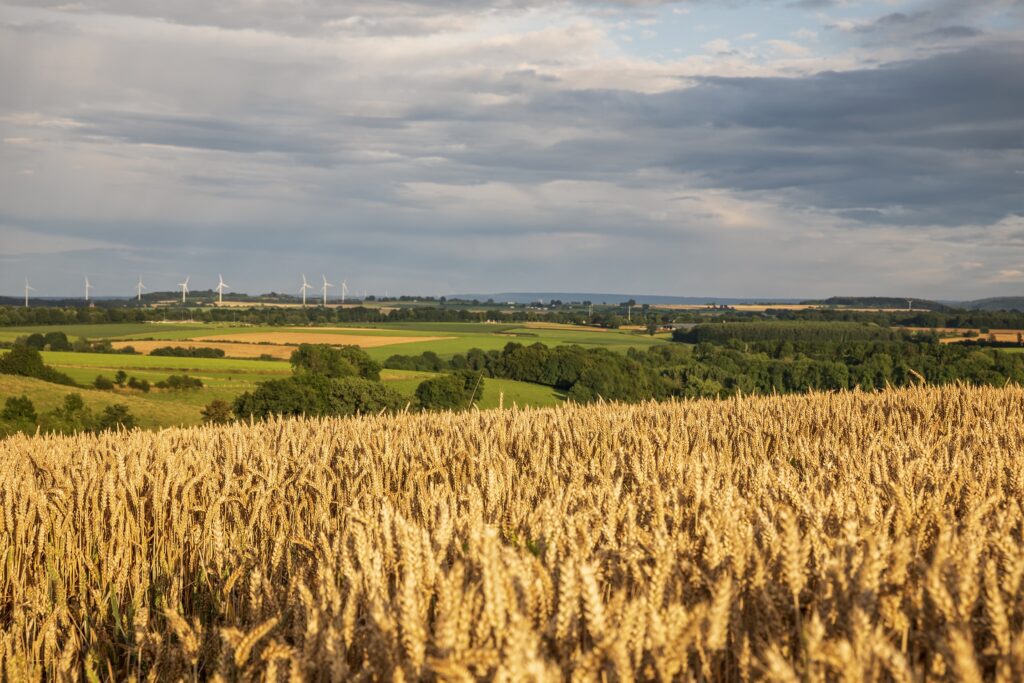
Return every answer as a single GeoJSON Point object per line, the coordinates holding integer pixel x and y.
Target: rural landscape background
{"type": "Point", "coordinates": [410, 432]}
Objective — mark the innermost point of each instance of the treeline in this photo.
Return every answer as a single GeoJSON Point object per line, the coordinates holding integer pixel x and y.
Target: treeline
{"type": "Point", "coordinates": [786, 367]}
{"type": "Point", "coordinates": [188, 352]}
{"type": "Point", "coordinates": [731, 367]}
{"type": "Point", "coordinates": [584, 374]}
{"type": "Point", "coordinates": [814, 332]}
{"type": "Point", "coordinates": [58, 341]}
{"type": "Point", "coordinates": [311, 315]}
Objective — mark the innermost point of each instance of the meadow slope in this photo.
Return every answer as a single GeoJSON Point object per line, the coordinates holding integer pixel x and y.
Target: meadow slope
{"type": "Point", "coordinates": [834, 536]}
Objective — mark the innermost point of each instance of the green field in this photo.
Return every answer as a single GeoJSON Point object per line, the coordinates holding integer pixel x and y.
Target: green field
{"type": "Point", "coordinates": [459, 337]}
{"type": "Point", "coordinates": [226, 378]}
{"type": "Point", "coordinates": [223, 379]}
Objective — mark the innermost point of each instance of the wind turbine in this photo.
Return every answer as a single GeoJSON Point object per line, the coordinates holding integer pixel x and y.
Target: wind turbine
{"type": "Point", "coordinates": [139, 287]}
{"type": "Point", "coordinates": [87, 288]}
{"type": "Point", "coordinates": [220, 289]}
{"type": "Point", "coordinates": [344, 291]}
{"type": "Point", "coordinates": [28, 289]}
{"type": "Point", "coordinates": [184, 288]}
{"type": "Point", "coordinates": [305, 287]}
{"type": "Point", "coordinates": [326, 285]}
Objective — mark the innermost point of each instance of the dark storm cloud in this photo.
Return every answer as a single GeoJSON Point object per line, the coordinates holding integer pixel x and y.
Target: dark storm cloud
{"type": "Point", "coordinates": [932, 141]}
{"type": "Point", "coordinates": [936, 140]}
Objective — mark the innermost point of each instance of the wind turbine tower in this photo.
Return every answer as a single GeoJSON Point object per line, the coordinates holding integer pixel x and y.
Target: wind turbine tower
{"type": "Point", "coordinates": [138, 289]}
{"type": "Point", "coordinates": [326, 285]}
{"type": "Point", "coordinates": [28, 288]}
{"type": "Point", "coordinates": [344, 291]}
{"type": "Point", "coordinates": [87, 288]}
{"type": "Point", "coordinates": [305, 287]}
{"type": "Point", "coordinates": [184, 288]}
{"type": "Point", "coordinates": [221, 286]}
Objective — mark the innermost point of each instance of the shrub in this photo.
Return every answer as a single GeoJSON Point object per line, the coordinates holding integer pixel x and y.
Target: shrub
{"type": "Point", "coordinates": [139, 384]}
{"type": "Point", "coordinates": [103, 383]}
{"type": "Point", "coordinates": [321, 359]}
{"type": "Point", "coordinates": [317, 395]}
{"type": "Point", "coordinates": [217, 412]}
{"type": "Point", "coordinates": [180, 382]}
{"type": "Point", "coordinates": [19, 408]}
{"type": "Point", "coordinates": [114, 417]}
{"type": "Point", "coordinates": [71, 417]}
{"type": "Point", "coordinates": [447, 392]}
{"type": "Point", "coordinates": [26, 361]}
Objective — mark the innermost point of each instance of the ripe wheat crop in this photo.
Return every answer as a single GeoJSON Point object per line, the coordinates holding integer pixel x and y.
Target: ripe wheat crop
{"type": "Point", "coordinates": [847, 536]}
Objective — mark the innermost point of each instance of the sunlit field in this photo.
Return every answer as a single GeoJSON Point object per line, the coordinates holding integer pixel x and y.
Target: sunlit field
{"type": "Point", "coordinates": [854, 536]}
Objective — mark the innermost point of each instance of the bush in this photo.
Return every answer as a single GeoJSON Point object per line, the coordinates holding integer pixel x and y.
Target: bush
{"type": "Point", "coordinates": [103, 383]}
{"type": "Point", "coordinates": [139, 384]}
{"type": "Point", "coordinates": [180, 382]}
{"type": "Point", "coordinates": [115, 417]}
{"type": "Point", "coordinates": [317, 395]}
{"type": "Point", "coordinates": [70, 418]}
{"type": "Point", "coordinates": [120, 377]}
{"type": "Point", "coordinates": [19, 408]}
{"type": "Point", "coordinates": [334, 362]}
{"type": "Point", "coordinates": [447, 392]}
{"type": "Point", "coordinates": [217, 412]}
{"type": "Point", "coordinates": [26, 361]}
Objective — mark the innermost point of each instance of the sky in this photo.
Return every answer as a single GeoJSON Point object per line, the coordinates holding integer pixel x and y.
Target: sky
{"type": "Point", "coordinates": [743, 148]}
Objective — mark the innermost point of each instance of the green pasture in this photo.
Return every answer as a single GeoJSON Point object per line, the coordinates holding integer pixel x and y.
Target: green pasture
{"type": "Point", "coordinates": [150, 411]}
{"type": "Point", "coordinates": [223, 378]}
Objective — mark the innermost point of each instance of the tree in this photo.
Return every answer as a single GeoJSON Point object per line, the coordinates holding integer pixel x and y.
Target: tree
{"type": "Point", "coordinates": [140, 384]}
{"type": "Point", "coordinates": [217, 412]}
{"type": "Point", "coordinates": [321, 359]}
{"type": "Point", "coordinates": [57, 341]}
{"type": "Point", "coordinates": [114, 417]}
{"type": "Point", "coordinates": [28, 362]}
{"type": "Point", "coordinates": [71, 417]}
{"type": "Point", "coordinates": [19, 408]}
{"type": "Point", "coordinates": [103, 383]}
{"type": "Point", "coordinates": [447, 392]}
{"type": "Point", "coordinates": [280, 397]}
{"type": "Point", "coordinates": [367, 367]}
{"type": "Point", "coordinates": [357, 396]}
{"type": "Point", "coordinates": [120, 377]}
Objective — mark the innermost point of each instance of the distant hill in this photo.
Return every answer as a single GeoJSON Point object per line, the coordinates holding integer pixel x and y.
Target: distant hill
{"type": "Point", "coordinates": [999, 303]}
{"type": "Point", "coordinates": [880, 302]}
{"type": "Point", "coordinates": [604, 298]}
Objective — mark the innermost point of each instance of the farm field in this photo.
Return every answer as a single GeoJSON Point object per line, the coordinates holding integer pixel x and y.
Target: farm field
{"type": "Point", "coordinates": [953, 335]}
{"type": "Point", "coordinates": [848, 535]}
{"type": "Point", "coordinates": [380, 341]}
{"type": "Point", "coordinates": [223, 378]}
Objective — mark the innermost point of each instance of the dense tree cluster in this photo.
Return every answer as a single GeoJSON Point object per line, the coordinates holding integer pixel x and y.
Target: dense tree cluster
{"type": "Point", "coordinates": [28, 362]}
{"type": "Point", "coordinates": [818, 332]}
{"type": "Point", "coordinates": [584, 374]}
{"type": "Point", "coordinates": [327, 380]}
{"type": "Point", "coordinates": [782, 366]}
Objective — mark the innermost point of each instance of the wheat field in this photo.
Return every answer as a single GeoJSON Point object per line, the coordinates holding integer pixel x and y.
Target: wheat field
{"type": "Point", "coordinates": [850, 536]}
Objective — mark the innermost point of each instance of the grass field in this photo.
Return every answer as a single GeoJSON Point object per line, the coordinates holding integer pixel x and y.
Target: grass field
{"type": "Point", "coordinates": [226, 378]}
{"type": "Point", "coordinates": [841, 536]}
{"type": "Point", "coordinates": [223, 378]}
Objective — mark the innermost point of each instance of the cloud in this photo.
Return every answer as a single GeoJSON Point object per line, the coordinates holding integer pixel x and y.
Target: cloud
{"type": "Point", "coordinates": [470, 149]}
